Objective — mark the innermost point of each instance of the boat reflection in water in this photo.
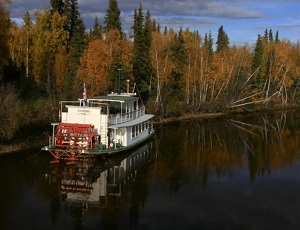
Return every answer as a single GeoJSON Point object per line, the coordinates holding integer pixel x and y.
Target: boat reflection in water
{"type": "Point", "coordinates": [92, 183]}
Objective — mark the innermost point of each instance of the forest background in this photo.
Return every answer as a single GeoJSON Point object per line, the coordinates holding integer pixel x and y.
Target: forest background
{"type": "Point", "coordinates": [50, 58]}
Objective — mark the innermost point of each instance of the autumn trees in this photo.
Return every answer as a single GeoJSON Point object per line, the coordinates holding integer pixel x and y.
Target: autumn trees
{"type": "Point", "coordinates": [229, 78]}
{"type": "Point", "coordinates": [275, 68]}
{"type": "Point", "coordinates": [4, 36]}
{"type": "Point", "coordinates": [175, 71]}
{"type": "Point", "coordinates": [100, 58]}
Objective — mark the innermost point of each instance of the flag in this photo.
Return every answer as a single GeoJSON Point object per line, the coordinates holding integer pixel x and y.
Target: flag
{"type": "Point", "coordinates": [84, 94]}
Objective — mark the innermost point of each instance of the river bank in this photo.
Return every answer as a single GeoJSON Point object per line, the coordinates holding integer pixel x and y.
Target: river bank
{"type": "Point", "coordinates": [189, 116]}
{"type": "Point", "coordinates": [17, 146]}
{"type": "Point", "coordinates": [42, 141]}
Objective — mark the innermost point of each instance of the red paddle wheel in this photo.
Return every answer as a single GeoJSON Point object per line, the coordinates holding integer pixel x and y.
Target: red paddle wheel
{"type": "Point", "coordinates": [72, 140]}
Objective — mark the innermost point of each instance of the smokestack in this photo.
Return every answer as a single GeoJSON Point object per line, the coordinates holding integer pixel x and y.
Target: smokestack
{"type": "Point", "coordinates": [128, 80]}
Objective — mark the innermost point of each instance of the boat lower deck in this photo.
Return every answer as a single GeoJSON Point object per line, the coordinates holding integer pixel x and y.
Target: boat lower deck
{"type": "Point", "coordinates": [76, 154]}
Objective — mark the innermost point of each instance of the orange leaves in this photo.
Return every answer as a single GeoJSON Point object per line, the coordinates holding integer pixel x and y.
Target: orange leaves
{"type": "Point", "coordinates": [94, 67]}
{"type": "Point", "coordinates": [99, 56]}
{"type": "Point", "coordinates": [284, 65]}
{"type": "Point", "coordinates": [120, 50]}
{"type": "Point", "coordinates": [61, 67]}
{"type": "Point", "coordinates": [50, 38]}
{"type": "Point", "coordinates": [4, 31]}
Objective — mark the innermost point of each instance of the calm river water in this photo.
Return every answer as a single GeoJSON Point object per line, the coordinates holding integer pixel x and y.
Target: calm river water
{"type": "Point", "coordinates": [239, 172]}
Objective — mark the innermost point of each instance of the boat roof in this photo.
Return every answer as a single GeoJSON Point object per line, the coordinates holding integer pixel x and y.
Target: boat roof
{"type": "Point", "coordinates": [116, 97]}
{"type": "Point", "coordinates": [139, 120]}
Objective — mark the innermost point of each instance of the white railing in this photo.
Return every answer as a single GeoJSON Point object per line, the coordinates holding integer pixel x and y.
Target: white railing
{"type": "Point", "coordinates": [52, 141]}
{"type": "Point", "coordinates": [120, 118]}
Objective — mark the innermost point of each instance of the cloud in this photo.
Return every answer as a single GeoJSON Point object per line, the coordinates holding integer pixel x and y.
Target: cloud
{"type": "Point", "coordinates": [169, 8]}
{"type": "Point", "coordinates": [175, 13]}
{"type": "Point", "coordinates": [205, 15]}
{"type": "Point", "coordinates": [18, 8]}
{"type": "Point", "coordinates": [218, 10]}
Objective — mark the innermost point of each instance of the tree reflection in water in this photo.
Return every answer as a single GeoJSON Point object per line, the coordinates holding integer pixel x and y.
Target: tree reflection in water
{"type": "Point", "coordinates": [234, 172]}
{"type": "Point", "coordinates": [191, 151]}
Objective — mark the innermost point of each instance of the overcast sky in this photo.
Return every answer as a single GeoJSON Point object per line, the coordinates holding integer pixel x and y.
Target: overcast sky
{"type": "Point", "coordinates": [243, 20]}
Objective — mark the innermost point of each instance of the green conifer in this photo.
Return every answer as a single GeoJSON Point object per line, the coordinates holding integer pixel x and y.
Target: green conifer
{"type": "Point", "coordinates": [71, 10]}
{"type": "Point", "coordinates": [97, 30]}
{"type": "Point", "coordinates": [277, 36]}
{"type": "Point", "coordinates": [142, 65]}
{"type": "Point", "coordinates": [112, 19]}
{"type": "Point", "coordinates": [270, 36]}
{"type": "Point", "coordinates": [76, 29]}
{"type": "Point", "coordinates": [223, 40]}
{"type": "Point", "coordinates": [57, 6]}
{"type": "Point", "coordinates": [257, 62]}
{"type": "Point", "coordinates": [179, 57]}
{"type": "Point", "coordinates": [266, 36]}
{"type": "Point", "coordinates": [208, 43]}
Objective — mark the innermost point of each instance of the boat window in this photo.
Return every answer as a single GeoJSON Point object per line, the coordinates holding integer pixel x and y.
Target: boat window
{"type": "Point", "coordinates": [133, 131]}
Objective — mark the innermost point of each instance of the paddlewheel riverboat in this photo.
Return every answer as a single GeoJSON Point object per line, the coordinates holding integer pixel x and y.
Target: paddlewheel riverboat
{"type": "Point", "coordinates": [101, 125]}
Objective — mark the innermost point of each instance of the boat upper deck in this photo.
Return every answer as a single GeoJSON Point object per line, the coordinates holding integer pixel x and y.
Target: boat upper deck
{"type": "Point", "coordinates": [120, 108]}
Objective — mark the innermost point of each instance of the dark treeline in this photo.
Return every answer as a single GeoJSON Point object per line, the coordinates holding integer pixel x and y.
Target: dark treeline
{"type": "Point", "coordinates": [176, 72]}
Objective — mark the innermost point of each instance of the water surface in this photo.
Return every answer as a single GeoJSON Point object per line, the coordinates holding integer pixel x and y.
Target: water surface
{"type": "Point", "coordinates": [237, 172]}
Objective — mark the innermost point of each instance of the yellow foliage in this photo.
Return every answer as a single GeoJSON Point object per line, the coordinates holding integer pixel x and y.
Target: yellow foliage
{"type": "Point", "coordinates": [4, 32]}
{"type": "Point", "coordinates": [161, 57]}
{"type": "Point", "coordinates": [94, 67]}
{"type": "Point", "coordinates": [61, 67]}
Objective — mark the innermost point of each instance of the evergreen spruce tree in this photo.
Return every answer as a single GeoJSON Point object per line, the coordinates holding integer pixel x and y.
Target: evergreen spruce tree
{"type": "Point", "coordinates": [154, 26]}
{"type": "Point", "coordinates": [258, 61]}
{"type": "Point", "coordinates": [57, 6]}
{"type": "Point", "coordinates": [141, 62]}
{"type": "Point", "coordinates": [205, 39]}
{"type": "Point", "coordinates": [148, 28]}
{"type": "Point", "coordinates": [97, 30]}
{"type": "Point", "coordinates": [208, 43]}
{"type": "Point", "coordinates": [270, 36]}
{"type": "Point", "coordinates": [277, 36]}
{"type": "Point", "coordinates": [166, 31]}
{"type": "Point", "coordinates": [266, 36]}
{"type": "Point", "coordinates": [76, 29]}
{"type": "Point", "coordinates": [73, 15]}
{"type": "Point", "coordinates": [78, 45]}
{"type": "Point", "coordinates": [179, 57]}
{"type": "Point", "coordinates": [158, 28]}
{"type": "Point", "coordinates": [223, 40]}
{"type": "Point", "coordinates": [112, 19]}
